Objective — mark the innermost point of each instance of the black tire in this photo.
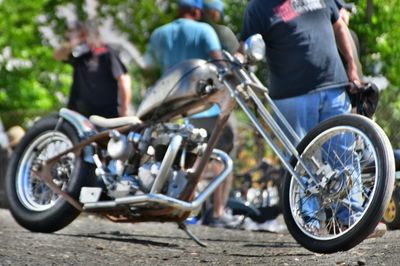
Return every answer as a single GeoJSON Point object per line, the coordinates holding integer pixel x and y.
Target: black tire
{"type": "Point", "coordinates": [52, 213]}
{"type": "Point", "coordinates": [392, 213]}
{"type": "Point", "coordinates": [374, 195]}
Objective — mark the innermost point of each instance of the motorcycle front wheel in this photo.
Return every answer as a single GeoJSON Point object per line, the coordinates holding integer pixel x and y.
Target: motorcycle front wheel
{"type": "Point", "coordinates": [352, 162]}
{"type": "Point", "coordinates": [31, 202]}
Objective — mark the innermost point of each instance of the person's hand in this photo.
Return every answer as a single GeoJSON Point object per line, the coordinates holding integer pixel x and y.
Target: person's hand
{"type": "Point", "coordinates": [240, 57]}
{"type": "Point", "coordinates": [354, 79]}
{"type": "Point", "coordinates": [355, 87]}
{"type": "Point", "coordinates": [344, 15]}
{"type": "Point", "coordinates": [74, 38]}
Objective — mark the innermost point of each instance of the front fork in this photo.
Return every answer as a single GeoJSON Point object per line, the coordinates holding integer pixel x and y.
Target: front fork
{"type": "Point", "coordinates": [244, 93]}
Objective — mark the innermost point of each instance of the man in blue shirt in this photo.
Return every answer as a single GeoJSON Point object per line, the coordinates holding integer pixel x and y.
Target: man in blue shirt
{"type": "Point", "coordinates": [183, 39]}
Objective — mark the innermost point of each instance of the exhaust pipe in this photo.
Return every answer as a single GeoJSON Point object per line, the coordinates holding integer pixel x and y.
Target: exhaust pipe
{"type": "Point", "coordinates": [169, 201]}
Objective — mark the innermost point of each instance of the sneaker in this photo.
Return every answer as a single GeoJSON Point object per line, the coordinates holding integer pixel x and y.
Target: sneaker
{"type": "Point", "coordinates": [191, 220]}
{"type": "Point", "coordinates": [272, 226]}
{"type": "Point", "coordinates": [379, 231]}
{"type": "Point", "coordinates": [227, 220]}
{"type": "Point", "coordinates": [249, 225]}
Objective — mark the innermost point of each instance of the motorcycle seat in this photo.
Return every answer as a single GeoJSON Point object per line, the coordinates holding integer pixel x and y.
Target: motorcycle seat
{"type": "Point", "coordinates": [114, 122]}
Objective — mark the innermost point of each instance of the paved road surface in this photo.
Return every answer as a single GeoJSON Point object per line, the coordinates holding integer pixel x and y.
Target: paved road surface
{"type": "Point", "coordinates": [90, 240]}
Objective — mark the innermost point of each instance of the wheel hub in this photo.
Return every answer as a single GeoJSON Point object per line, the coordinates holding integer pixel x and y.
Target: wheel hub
{"type": "Point", "coordinates": [338, 186]}
{"type": "Point", "coordinates": [62, 170]}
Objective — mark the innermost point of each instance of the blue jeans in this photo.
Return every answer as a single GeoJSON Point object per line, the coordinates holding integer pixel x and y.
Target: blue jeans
{"type": "Point", "coordinates": [304, 113]}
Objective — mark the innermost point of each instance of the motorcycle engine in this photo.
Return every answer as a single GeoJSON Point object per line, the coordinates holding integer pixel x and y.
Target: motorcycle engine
{"type": "Point", "coordinates": [151, 148]}
{"type": "Point", "coordinates": [147, 174]}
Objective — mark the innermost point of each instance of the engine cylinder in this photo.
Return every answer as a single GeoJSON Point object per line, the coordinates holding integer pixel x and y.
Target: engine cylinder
{"type": "Point", "coordinates": [118, 147]}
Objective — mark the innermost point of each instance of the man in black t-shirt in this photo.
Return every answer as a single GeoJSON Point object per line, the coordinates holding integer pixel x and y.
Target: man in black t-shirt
{"type": "Point", "coordinates": [101, 85]}
{"type": "Point", "coordinates": [306, 76]}
{"type": "Point", "coordinates": [300, 45]}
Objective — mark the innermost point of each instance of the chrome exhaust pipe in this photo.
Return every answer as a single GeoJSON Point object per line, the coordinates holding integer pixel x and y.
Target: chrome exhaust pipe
{"type": "Point", "coordinates": [169, 201]}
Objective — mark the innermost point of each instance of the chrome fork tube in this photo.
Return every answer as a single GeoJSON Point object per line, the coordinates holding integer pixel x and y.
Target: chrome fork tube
{"type": "Point", "coordinates": [272, 123]}
{"type": "Point", "coordinates": [275, 109]}
{"type": "Point", "coordinates": [290, 129]}
{"type": "Point", "coordinates": [278, 131]}
{"type": "Point", "coordinates": [278, 113]}
{"type": "Point", "coordinates": [248, 82]}
{"type": "Point", "coordinates": [265, 135]}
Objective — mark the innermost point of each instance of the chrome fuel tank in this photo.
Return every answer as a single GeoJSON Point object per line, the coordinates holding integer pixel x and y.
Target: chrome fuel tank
{"type": "Point", "coordinates": [178, 86]}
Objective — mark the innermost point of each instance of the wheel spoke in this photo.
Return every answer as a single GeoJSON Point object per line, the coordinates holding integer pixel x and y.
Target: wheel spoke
{"type": "Point", "coordinates": [33, 192]}
{"type": "Point", "coordinates": [345, 196]}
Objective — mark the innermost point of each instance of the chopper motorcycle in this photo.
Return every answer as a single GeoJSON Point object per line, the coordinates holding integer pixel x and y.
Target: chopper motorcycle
{"type": "Point", "coordinates": [147, 167]}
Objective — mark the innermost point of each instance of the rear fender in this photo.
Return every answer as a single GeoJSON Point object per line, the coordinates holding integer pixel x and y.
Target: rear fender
{"type": "Point", "coordinates": [83, 126]}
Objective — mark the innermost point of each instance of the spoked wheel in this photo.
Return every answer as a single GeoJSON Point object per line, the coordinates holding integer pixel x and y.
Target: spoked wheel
{"type": "Point", "coordinates": [352, 163]}
{"type": "Point", "coordinates": [391, 216]}
{"type": "Point", "coordinates": [32, 203]}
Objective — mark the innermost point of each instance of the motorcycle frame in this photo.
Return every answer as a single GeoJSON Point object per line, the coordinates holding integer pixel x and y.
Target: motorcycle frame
{"type": "Point", "coordinates": [177, 210]}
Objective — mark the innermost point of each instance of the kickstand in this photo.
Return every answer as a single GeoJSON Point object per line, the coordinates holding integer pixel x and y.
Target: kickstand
{"type": "Point", "coordinates": [183, 227]}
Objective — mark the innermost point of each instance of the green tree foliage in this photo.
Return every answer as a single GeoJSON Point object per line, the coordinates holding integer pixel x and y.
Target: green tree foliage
{"type": "Point", "coordinates": [30, 78]}
{"type": "Point", "coordinates": [138, 18]}
{"type": "Point", "coordinates": [376, 23]}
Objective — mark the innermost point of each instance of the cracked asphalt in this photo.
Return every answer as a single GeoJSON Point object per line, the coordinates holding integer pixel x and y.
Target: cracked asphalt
{"type": "Point", "coordinates": [91, 240]}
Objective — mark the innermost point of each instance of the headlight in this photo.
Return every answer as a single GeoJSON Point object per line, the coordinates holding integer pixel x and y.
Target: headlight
{"type": "Point", "coordinates": [254, 47]}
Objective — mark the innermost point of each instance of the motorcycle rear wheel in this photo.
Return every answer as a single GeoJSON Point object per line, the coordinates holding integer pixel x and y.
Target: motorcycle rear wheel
{"type": "Point", "coordinates": [354, 190]}
{"type": "Point", "coordinates": [31, 202]}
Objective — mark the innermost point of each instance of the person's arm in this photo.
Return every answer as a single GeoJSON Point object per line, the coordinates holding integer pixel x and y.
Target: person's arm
{"type": "Point", "coordinates": [63, 52]}
{"type": "Point", "coordinates": [216, 55]}
{"type": "Point", "coordinates": [124, 94]}
{"type": "Point", "coordinates": [123, 79]}
{"type": "Point", "coordinates": [344, 46]}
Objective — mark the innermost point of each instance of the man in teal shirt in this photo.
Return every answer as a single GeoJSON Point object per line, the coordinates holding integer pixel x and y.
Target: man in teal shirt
{"type": "Point", "coordinates": [183, 39]}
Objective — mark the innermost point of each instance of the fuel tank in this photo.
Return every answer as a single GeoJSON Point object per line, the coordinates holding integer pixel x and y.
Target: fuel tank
{"type": "Point", "coordinates": [180, 85]}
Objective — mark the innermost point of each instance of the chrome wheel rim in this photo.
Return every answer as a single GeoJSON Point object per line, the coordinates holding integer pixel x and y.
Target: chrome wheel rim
{"type": "Point", "coordinates": [32, 192]}
{"type": "Point", "coordinates": [346, 192]}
